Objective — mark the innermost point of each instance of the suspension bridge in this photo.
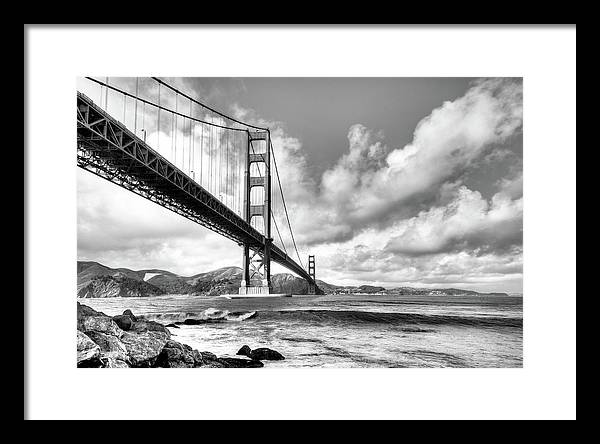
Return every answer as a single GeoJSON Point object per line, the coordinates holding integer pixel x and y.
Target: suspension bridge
{"type": "Point", "coordinates": [160, 143]}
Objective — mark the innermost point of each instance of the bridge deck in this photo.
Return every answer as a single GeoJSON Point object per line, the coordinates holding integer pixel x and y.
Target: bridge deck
{"type": "Point", "coordinates": [108, 149]}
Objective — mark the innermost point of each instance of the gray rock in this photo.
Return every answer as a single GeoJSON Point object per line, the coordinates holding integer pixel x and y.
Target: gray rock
{"type": "Point", "coordinates": [208, 356]}
{"type": "Point", "coordinates": [143, 348]}
{"type": "Point", "coordinates": [110, 362]}
{"type": "Point", "coordinates": [244, 351]}
{"type": "Point", "coordinates": [175, 355]}
{"type": "Point", "coordinates": [83, 311]}
{"type": "Point", "coordinates": [198, 359]}
{"type": "Point", "coordinates": [142, 326]}
{"type": "Point", "coordinates": [102, 324]}
{"type": "Point", "coordinates": [110, 346]}
{"type": "Point", "coordinates": [260, 354]}
{"type": "Point", "coordinates": [240, 362]}
{"type": "Point", "coordinates": [130, 314]}
{"type": "Point", "coordinates": [213, 364]}
{"type": "Point", "coordinates": [209, 360]}
{"type": "Point", "coordinates": [87, 350]}
{"type": "Point", "coordinates": [264, 353]}
{"type": "Point", "coordinates": [123, 321]}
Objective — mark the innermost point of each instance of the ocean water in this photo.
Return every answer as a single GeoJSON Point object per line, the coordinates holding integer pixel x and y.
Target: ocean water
{"type": "Point", "coordinates": [346, 330]}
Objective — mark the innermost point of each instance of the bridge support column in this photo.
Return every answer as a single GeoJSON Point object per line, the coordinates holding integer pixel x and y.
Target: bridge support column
{"type": "Point", "coordinates": [311, 271]}
{"type": "Point", "coordinates": [245, 269]}
{"type": "Point", "coordinates": [256, 274]}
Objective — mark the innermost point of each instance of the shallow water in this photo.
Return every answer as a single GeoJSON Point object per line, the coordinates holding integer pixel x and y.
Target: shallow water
{"type": "Point", "coordinates": [348, 330]}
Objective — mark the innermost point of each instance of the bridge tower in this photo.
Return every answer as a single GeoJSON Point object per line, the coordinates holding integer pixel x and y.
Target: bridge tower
{"type": "Point", "coordinates": [311, 272]}
{"type": "Point", "coordinates": [256, 269]}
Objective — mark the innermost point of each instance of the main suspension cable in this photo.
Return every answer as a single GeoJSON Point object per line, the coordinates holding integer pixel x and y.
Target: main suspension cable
{"type": "Point", "coordinates": [162, 107]}
{"type": "Point", "coordinates": [206, 106]}
{"type": "Point", "coordinates": [283, 200]}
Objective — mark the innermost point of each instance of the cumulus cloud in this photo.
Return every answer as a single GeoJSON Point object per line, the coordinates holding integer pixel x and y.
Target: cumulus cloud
{"type": "Point", "coordinates": [512, 185]}
{"type": "Point", "coordinates": [352, 264]}
{"type": "Point", "coordinates": [372, 183]}
{"type": "Point", "coordinates": [468, 222]}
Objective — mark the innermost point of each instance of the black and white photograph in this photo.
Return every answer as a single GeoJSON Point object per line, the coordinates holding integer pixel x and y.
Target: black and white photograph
{"type": "Point", "coordinates": [337, 222]}
{"type": "Point", "coordinates": [355, 216]}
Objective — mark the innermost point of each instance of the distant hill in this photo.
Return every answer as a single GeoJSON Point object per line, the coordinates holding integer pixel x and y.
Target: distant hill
{"type": "Point", "coordinates": [118, 285]}
{"type": "Point", "coordinates": [369, 289]}
{"type": "Point", "coordinates": [95, 280]}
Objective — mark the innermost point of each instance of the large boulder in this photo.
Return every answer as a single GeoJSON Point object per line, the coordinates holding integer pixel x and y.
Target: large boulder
{"type": "Point", "coordinates": [143, 348]}
{"type": "Point", "coordinates": [87, 351]}
{"type": "Point", "coordinates": [260, 354]}
{"type": "Point", "coordinates": [208, 356]}
{"type": "Point", "coordinates": [264, 353]}
{"type": "Point", "coordinates": [102, 324]}
{"type": "Point", "coordinates": [143, 326]}
{"type": "Point", "coordinates": [210, 360]}
{"type": "Point", "coordinates": [83, 311]}
{"type": "Point", "coordinates": [123, 321]}
{"type": "Point", "coordinates": [177, 355]}
{"type": "Point", "coordinates": [130, 314]}
{"type": "Point", "coordinates": [110, 346]}
{"type": "Point", "coordinates": [109, 362]}
{"type": "Point", "coordinates": [213, 364]}
{"type": "Point", "coordinates": [239, 362]}
{"type": "Point", "coordinates": [198, 359]}
{"type": "Point", "coordinates": [244, 351]}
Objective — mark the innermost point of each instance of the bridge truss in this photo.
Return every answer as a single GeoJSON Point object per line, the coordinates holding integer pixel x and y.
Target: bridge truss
{"type": "Point", "coordinates": [109, 149]}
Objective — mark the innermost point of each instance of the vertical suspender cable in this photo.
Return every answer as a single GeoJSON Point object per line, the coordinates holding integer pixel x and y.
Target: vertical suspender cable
{"type": "Point", "coordinates": [210, 158]}
{"type": "Point", "coordinates": [106, 96]}
{"type": "Point", "coordinates": [137, 79]}
{"type": "Point", "coordinates": [227, 168]}
{"type": "Point", "coordinates": [194, 150]}
{"type": "Point", "coordinates": [176, 128]}
{"type": "Point", "coordinates": [201, 150]}
{"type": "Point", "coordinates": [173, 138]}
{"type": "Point", "coordinates": [158, 129]}
{"type": "Point", "coordinates": [219, 136]}
{"type": "Point", "coordinates": [190, 153]}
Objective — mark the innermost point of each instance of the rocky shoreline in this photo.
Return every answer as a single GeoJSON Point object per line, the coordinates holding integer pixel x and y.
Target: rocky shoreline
{"type": "Point", "coordinates": [125, 340]}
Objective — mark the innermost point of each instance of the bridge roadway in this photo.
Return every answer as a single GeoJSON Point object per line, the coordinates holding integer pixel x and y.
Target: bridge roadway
{"type": "Point", "coordinates": [108, 149]}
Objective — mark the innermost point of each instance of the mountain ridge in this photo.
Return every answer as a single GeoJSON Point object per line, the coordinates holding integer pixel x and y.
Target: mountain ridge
{"type": "Point", "coordinates": [95, 280]}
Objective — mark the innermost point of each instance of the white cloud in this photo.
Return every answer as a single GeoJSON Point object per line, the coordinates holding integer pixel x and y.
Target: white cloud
{"type": "Point", "coordinates": [364, 187]}
{"type": "Point", "coordinates": [468, 222]}
{"type": "Point", "coordinates": [121, 229]}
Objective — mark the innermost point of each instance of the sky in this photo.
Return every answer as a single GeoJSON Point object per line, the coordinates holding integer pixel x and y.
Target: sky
{"type": "Point", "coordinates": [388, 181]}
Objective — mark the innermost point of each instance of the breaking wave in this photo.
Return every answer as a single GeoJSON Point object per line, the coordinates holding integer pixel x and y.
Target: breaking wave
{"type": "Point", "coordinates": [389, 318]}
{"type": "Point", "coordinates": [208, 315]}
{"type": "Point", "coordinates": [333, 316]}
